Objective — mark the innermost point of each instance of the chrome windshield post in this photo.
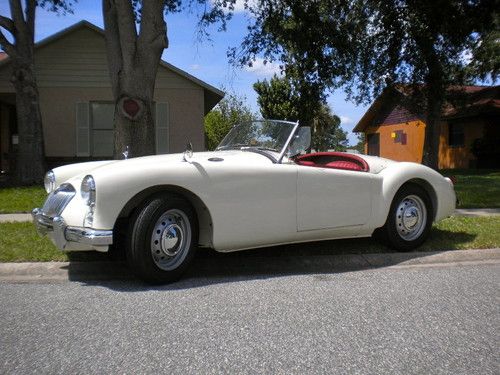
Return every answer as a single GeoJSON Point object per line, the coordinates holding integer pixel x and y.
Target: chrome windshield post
{"type": "Point", "coordinates": [290, 137]}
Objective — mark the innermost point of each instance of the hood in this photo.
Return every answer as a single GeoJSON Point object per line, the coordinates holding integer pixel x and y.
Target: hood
{"type": "Point", "coordinates": [166, 161]}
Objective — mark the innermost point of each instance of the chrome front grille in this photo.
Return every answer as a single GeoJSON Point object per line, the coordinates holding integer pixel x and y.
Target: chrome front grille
{"type": "Point", "coordinates": [58, 200]}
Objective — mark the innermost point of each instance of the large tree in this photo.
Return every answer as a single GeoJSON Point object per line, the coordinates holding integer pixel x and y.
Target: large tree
{"type": "Point", "coordinates": [424, 44]}
{"type": "Point", "coordinates": [369, 45]}
{"type": "Point", "coordinates": [30, 160]}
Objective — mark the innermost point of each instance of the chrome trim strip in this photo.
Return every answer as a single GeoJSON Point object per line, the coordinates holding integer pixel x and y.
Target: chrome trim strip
{"type": "Point", "coordinates": [89, 236]}
{"type": "Point", "coordinates": [62, 234]}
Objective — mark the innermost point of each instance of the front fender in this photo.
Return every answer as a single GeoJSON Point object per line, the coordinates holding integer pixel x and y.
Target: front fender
{"type": "Point", "coordinates": [391, 179]}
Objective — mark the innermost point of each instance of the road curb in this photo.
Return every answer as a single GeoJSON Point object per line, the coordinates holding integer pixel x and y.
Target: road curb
{"type": "Point", "coordinates": [218, 266]}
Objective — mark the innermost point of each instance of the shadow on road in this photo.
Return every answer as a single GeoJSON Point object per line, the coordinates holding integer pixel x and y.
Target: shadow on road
{"type": "Point", "coordinates": [210, 267]}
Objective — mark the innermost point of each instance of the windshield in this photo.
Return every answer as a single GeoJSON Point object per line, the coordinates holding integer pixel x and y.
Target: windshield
{"type": "Point", "coordinates": [270, 135]}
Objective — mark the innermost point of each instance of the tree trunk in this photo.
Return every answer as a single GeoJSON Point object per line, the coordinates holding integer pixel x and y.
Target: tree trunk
{"type": "Point", "coordinates": [30, 161]}
{"type": "Point", "coordinates": [434, 95]}
{"type": "Point", "coordinates": [133, 60]}
{"type": "Point", "coordinates": [30, 158]}
{"type": "Point", "coordinates": [432, 130]}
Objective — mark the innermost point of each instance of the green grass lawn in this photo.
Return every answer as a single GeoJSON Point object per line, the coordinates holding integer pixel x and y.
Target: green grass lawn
{"type": "Point", "coordinates": [22, 199]}
{"type": "Point", "coordinates": [20, 243]}
{"type": "Point", "coordinates": [476, 188]}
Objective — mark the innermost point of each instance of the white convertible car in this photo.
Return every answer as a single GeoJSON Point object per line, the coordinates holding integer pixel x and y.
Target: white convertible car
{"type": "Point", "coordinates": [256, 189]}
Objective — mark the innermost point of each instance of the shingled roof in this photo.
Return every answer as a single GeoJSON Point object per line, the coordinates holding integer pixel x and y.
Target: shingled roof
{"type": "Point", "coordinates": [464, 101]}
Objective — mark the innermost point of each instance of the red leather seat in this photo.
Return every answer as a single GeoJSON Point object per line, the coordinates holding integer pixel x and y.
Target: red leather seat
{"type": "Point", "coordinates": [334, 160]}
{"type": "Point", "coordinates": [344, 164]}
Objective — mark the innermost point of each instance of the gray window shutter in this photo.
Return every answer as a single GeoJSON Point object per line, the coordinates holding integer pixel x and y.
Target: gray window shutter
{"type": "Point", "coordinates": [161, 125]}
{"type": "Point", "coordinates": [82, 129]}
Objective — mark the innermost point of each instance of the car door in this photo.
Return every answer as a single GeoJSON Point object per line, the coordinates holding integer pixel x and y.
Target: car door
{"type": "Point", "coordinates": [332, 198]}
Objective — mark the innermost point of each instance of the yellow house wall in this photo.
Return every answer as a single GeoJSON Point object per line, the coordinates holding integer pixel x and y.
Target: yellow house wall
{"type": "Point", "coordinates": [459, 157]}
{"type": "Point", "coordinates": [412, 151]}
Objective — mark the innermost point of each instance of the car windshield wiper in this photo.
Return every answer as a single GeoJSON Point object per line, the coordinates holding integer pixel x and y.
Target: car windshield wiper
{"type": "Point", "coordinates": [266, 149]}
{"type": "Point", "coordinates": [236, 146]}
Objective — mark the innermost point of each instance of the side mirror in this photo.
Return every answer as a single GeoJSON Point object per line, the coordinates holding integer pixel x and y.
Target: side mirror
{"type": "Point", "coordinates": [300, 142]}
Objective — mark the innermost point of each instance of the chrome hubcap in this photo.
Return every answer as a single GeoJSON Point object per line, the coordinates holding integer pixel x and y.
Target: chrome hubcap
{"type": "Point", "coordinates": [411, 217]}
{"type": "Point", "coordinates": [171, 239]}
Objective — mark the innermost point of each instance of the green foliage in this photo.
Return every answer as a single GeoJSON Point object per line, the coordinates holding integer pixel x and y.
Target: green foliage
{"type": "Point", "coordinates": [327, 133]}
{"type": "Point", "coordinates": [230, 111]}
{"type": "Point", "coordinates": [486, 53]}
{"type": "Point", "coordinates": [360, 146]}
{"type": "Point", "coordinates": [281, 99]}
{"type": "Point", "coordinates": [277, 99]}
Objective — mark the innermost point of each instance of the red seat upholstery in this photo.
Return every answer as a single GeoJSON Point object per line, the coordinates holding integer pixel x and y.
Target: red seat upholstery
{"type": "Point", "coordinates": [334, 160]}
{"type": "Point", "coordinates": [344, 164]}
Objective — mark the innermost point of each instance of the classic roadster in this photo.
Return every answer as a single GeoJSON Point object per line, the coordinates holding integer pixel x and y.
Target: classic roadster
{"type": "Point", "coordinates": [257, 189]}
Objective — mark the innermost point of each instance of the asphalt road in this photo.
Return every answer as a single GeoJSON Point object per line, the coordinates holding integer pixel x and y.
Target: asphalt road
{"type": "Point", "coordinates": [420, 320]}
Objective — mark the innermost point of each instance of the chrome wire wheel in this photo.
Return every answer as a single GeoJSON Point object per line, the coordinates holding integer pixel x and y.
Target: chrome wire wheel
{"type": "Point", "coordinates": [171, 239]}
{"type": "Point", "coordinates": [411, 217]}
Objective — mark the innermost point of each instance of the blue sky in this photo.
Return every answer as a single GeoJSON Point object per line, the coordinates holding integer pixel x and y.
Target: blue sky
{"type": "Point", "coordinates": [204, 59]}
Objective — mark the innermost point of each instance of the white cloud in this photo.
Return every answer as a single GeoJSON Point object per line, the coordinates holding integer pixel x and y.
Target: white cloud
{"type": "Point", "coordinates": [195, 67]}
{"type": "Point", "coordinates": [345, 120]}
{"type": "Point", "coordinates": [262, 69]}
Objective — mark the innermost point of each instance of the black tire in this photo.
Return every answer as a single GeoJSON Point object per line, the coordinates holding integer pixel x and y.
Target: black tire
{"type": "Point", "coordinates": [409, 220]}
{"type": "Point", "coordinates": [162, 241]}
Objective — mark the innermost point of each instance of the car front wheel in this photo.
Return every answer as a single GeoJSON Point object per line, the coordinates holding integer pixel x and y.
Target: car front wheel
{"type": "Point", "coordinates": [162, 239]}
{"type": "Point", "coordinates": [410, 219]}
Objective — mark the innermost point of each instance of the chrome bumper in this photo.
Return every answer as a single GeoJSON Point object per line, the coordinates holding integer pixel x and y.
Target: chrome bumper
{"type": "Point", "coordinates": [61, 234]}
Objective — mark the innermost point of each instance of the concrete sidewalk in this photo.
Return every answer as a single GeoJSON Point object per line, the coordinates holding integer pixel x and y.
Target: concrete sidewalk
{"type": "Point", "coordinates": [234, 266]}
{"type": "Point", "coordinates": [472, 212]}
{"type": "Point", "coordinates": [4, 218]}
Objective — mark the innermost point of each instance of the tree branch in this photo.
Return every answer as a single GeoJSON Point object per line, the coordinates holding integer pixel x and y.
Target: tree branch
{"type": "Point", "coordinates": [16, 11]}
{"type": "Point", "coordinates": [152, 38]}
{"type": "Point", "coordinates": [7, 24]}
{"type": "Point", "coordinates": [30, 17]}
{"type": "Point", "coordinates": [154, 30]}
{"type": "Point", "coordinates": [7, 46]}
{"type": "Point", "coordinates": [113, 49]}
{"type": "Point", "coordinates": [125, 22]}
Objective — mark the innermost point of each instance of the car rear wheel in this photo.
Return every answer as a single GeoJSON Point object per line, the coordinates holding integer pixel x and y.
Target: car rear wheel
{"type": "Point", "coordinates": [162, 239]}
{"type": "Point", "coordinates": [410, 219]}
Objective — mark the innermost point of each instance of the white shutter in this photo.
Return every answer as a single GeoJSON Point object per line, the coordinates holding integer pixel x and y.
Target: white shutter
{"type": "Point", "coordinates": [82, 129]}
{"type": "Point", "coordinates": [161, 127]}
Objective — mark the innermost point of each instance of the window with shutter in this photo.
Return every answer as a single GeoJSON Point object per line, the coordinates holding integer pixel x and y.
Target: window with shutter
{"type": "Point", "coordinates": [161, 127]}
{"type": "Point", "coordinates": [82, 129]}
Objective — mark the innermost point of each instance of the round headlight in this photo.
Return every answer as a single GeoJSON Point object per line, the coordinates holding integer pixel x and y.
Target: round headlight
{"type": "Point", "coordinates": [49, 181]}
{"type": "Point", "coordinates": [87, 190]}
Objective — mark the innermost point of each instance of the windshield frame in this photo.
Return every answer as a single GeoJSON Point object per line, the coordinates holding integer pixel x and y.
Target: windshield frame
{"type": "Point", "coordinates": [281, 153]}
